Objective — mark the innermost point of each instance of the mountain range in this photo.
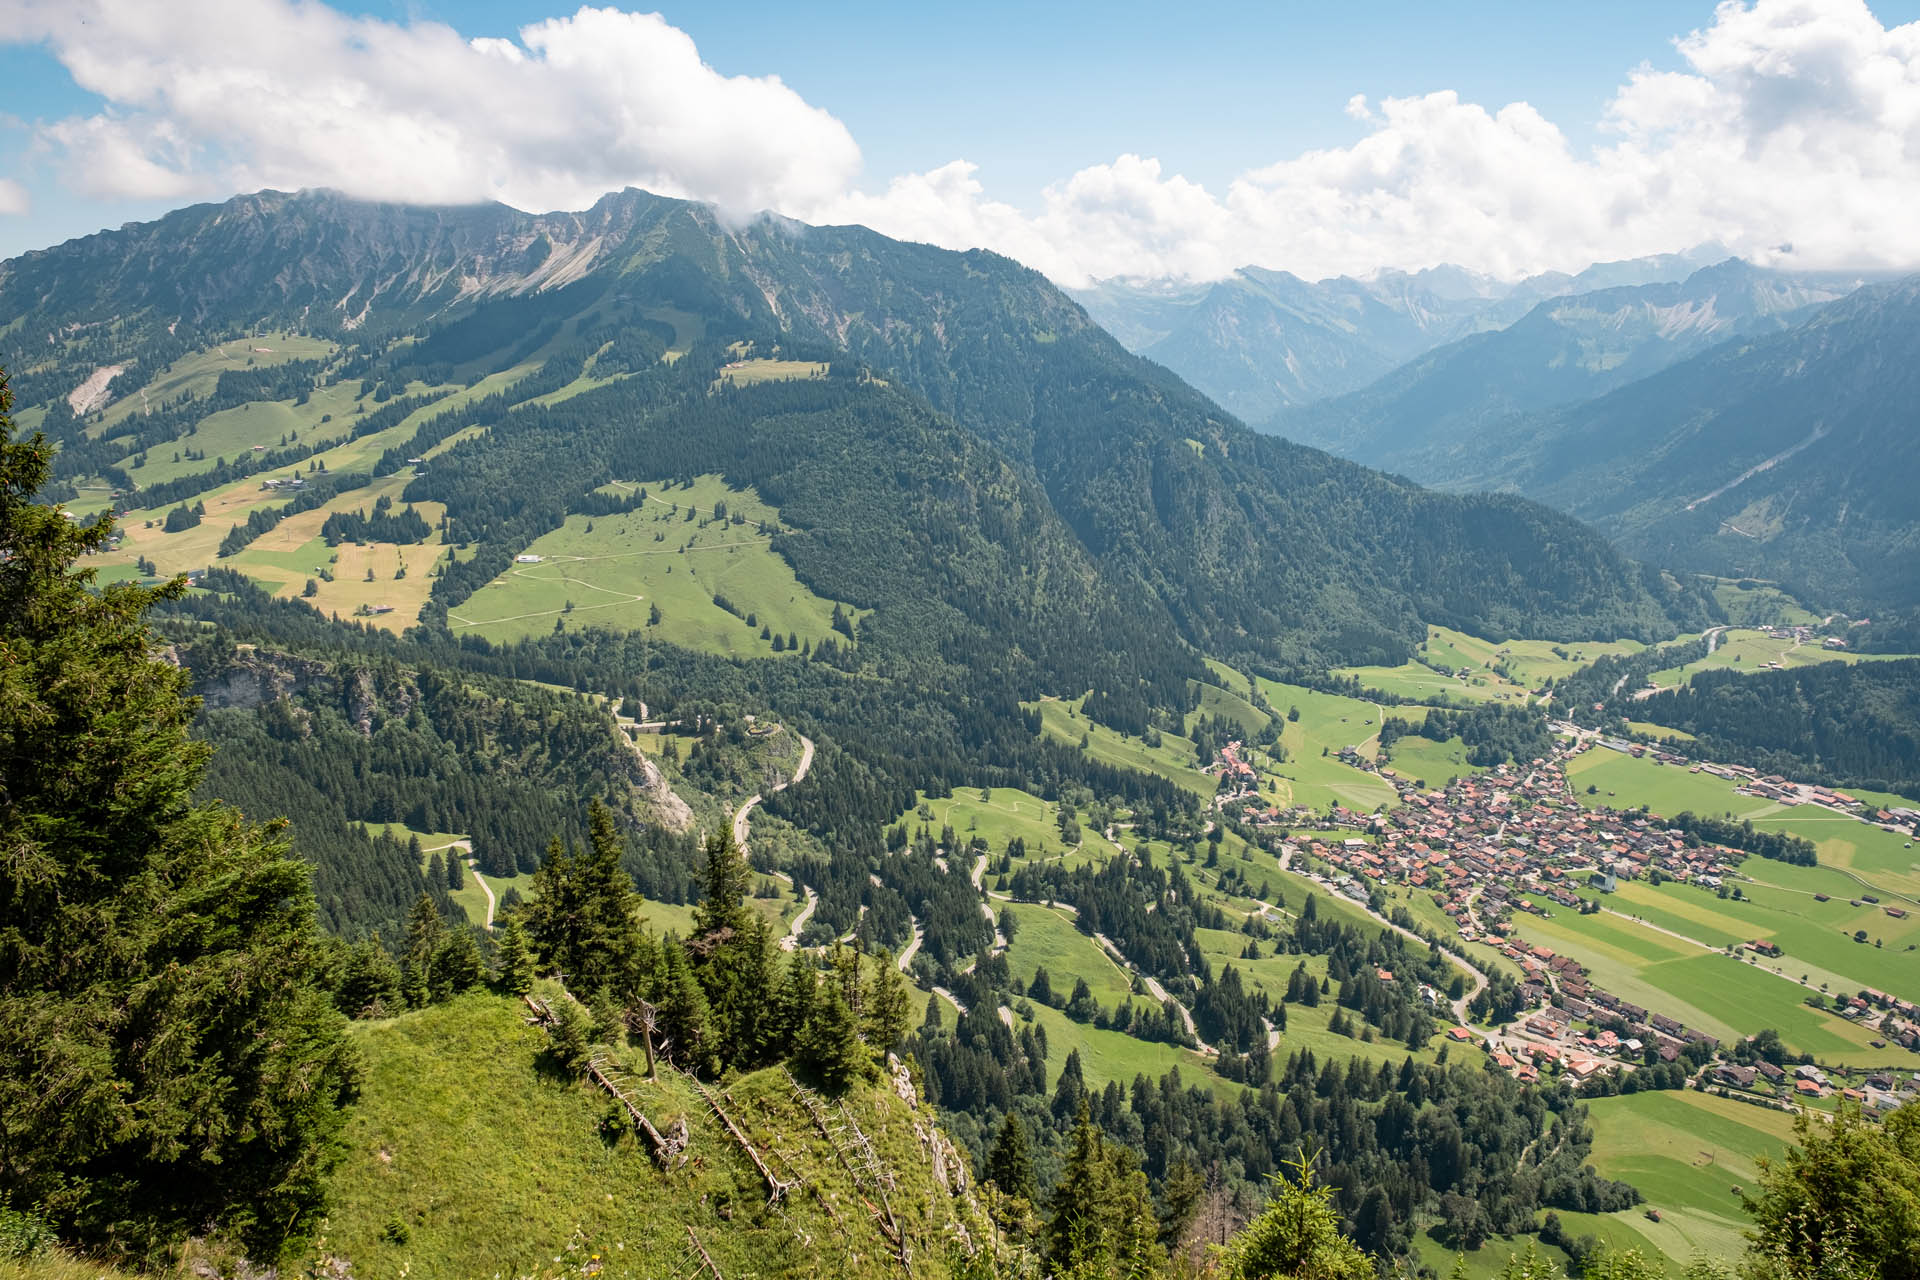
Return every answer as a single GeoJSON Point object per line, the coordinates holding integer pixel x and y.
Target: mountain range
{"type": "Point", "coordinates": [1125, 520]}
{"type": "Point", "coordinates": [1429, 417]}
{"type": "Point", "coordinates": [1730, 420]}
{"type": "Point", "coordinates": [1262, 341]}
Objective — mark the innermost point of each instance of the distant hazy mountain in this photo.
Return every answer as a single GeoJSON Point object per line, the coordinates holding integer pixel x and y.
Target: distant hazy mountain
{"type": "Point", "coordinates": [1262, 341]}
{"type": "Point", "coordinates": [1792, 455]}
{"type": "Point", "coordinates": [1430, 418]}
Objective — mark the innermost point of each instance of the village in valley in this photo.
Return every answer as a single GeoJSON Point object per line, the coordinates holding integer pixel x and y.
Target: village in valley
{"type": "Point", "coordinates": [1515, 843]}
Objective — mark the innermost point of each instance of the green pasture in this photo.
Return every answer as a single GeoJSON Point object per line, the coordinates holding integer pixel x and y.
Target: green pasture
{"type": "Point", "coordinates": [747, 373]}
{"type": "Point", "coordinates": [1221, 702]}
{"type": "Point", "coordinates": [1759, 604]}
{"type": "Point", "coordinates": [1327, 723]}
{"type": "Point", "coordinates": [1422, 683]}
{"type": "Point", "coordinates": [613, 571]}
{"type": "Point", "coordinates": [195, 374]}
{"type": "Point", "coordinates": [1707, 990]}
{"type": "Point", "coordinates": [233, 433]}
{"type": "Point", "coordinates": [1047, 939]}
{"type": "Point", "coordinates": [1881, 859]}
{"type": "Point", "coordinates": [1687, 1152]}
{"type": "Point", "coordinates": [1816, 936]}
{"type": "Point", "coordinates": [1750, 651]}
{"type": "Point", "coordinates": [1624, 782]}
{"type": "Point", "coordinates": [1437, 763]}
{"type": "Point", "coordinates": [1113, 1055]}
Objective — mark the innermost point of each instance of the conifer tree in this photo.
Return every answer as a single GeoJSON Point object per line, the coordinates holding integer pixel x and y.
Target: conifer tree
{"type": "Point", "coordinates": [683, 1014]}
{"type": "Point", "coordinates": [458, 966]}
{"type": "Point", "coordinates": [1101, 1220]}
{"type": "Point", "coordinates": [795, 1009]}
{"type": "Point", "coordinates": [732, 951]}
{"type": "Point", "coordinates": [583, 918]}
{"type": "Point", "coordinates": [369, 984]}
{"type": "Point", "coordinates": [889, 1012]}
{"type": "Point", "coordinates": [425, 933]}
{"type": "Point", "coordinates": [832, 1047]}
{"type": "Point", "coordinates": [1298, 1234]}
{"type": "Point", "coordinates": [516, 958]}
{"type": "Point", "coordinates": [159, 959]}
{"type": "Point", "coordinates": [1010, 1163]}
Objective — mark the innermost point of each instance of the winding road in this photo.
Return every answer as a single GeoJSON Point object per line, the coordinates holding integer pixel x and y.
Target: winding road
{"type": "Point", "coordinates": [466, 849]}
{"type": "Point", "coordinates": [792, 940]}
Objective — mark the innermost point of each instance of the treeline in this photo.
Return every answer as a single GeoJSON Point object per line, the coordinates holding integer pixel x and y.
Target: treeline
{"type": "Point", "coordinates": [383, 525]}
{"type": "Point", "coordinates": [879, 740]}
{"type": "Point", "coordinates": [166, 422]}
{"type": "Point", "coordinates": [721, 999]}
{"type": "Point", "coordinates": [1494, 733]}
{"type": "Point", "coordinates": [1402, 1144]}
{"type": "Point", "coordinates": [1612, 679]}
{"type": "Point", "coordinates": [1836, 723]}
{"type": "Point", "coordinates": [1780, 846]}
{"type": "Point", "coordinates": [321, 489]}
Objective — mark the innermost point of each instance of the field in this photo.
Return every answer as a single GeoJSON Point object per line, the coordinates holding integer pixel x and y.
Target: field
{"type": "Point", "coordinates": [1437, 763]}
{"type": "Point", "coordinates": [1649, 729]}
{"type": "Point", "coordinates": [1113, 1055]}
{"type": "Point", "coordinates": [746, 373]}
{"type": "Point", "coordinates": [1422, 683]}
{"type": "Point", "coordinates": [1219, 700]}
{"type": "Point", "coordinates": [1704, 989]}
{"type": "Point", "coordinates": [195, 375]}
{"type": "Point", "coordinates": [283, 560]}
{"type": "Point", "coordinates": [996, 816]}
{"type": "Point", "coordinates": [1621, 781]}
{"type": "Point", "coordinates": [233, 433]}
{"type": "Point", "coordinates": [1876, 859]}
{"type": "Point", "coordinates": [1686, 1152]}
{"type": "Point", "coordinates": [1749, 651]}
{"type": "Point", "coordinates": [1047, 938]}
{"type": "Point", "coordinates": [1753, 603]}
{"type": "Point", "coordinates": [1526, 663]}
{"type": "Point", "coordinates": [1311, 775]}
{"type": "Point", "coordinates": [614, 571]}
{"type": "Point", "coordinates": [1816, 936]}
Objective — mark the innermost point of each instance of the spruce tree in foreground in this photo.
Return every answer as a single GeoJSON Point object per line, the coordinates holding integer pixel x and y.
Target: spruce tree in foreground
{"type": "Point", "coordinates": [168, 1059]}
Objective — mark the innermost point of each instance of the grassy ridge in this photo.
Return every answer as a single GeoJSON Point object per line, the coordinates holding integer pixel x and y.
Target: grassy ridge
{"type": "Point", "coordinates": [469, 1155]}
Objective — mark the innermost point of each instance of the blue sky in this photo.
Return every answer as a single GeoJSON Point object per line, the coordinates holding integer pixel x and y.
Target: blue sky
{"type": "Point", "coordinates": [1029, 96]}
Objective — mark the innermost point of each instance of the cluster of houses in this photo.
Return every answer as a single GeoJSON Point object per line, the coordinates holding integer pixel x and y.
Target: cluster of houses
{"type": "Point", "coordinates": [1513, 841]}
{"type": "Point", "coordinates": [1879, 1093]}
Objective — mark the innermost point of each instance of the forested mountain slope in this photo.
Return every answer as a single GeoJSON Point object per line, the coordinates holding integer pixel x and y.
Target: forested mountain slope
{"type": "Point", "coordinates": [1790, 456]}
{"type": "Point", "coordinates": [1180, 519]}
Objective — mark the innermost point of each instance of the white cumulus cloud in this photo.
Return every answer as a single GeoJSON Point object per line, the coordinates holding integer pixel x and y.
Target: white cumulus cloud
{"type": "Point", "coordinates": [215, 96]}
{"type": "Point", "coordinates": [13, 198]}
{"type": "Point", "coordinates": [1793, 123]}
{"type": "Point", "coordinates": [1790, 130]}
